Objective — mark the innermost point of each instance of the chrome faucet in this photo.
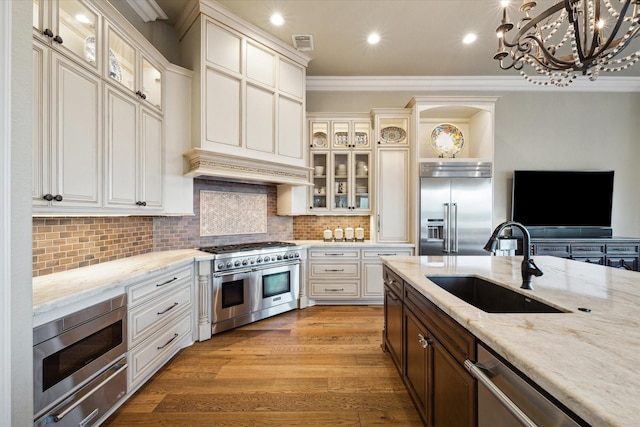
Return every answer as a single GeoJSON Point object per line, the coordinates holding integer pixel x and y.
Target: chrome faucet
{"type": "Point", "coordinates": [528, 268]}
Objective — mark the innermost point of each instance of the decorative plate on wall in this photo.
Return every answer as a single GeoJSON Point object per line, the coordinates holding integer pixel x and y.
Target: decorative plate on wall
{"type": "Point", "coordinates": [393, 134]}
{"type": "Point", "coordinates": [447, 140]}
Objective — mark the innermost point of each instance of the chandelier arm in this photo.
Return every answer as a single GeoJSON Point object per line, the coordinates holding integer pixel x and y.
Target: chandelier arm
{"type": "Point", "coordinates": [533, 23]}
{"type": "Point", "coordinates": [610, 41]}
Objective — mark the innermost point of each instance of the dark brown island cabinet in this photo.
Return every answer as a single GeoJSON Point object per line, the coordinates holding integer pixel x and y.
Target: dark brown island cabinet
{"type": "Point", "coordinates": [429, 349]}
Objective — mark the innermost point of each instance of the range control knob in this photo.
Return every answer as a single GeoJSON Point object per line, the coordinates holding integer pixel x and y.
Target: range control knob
{"type": "Point", "coordinates": [266, 258]}
{"type": "Point", "coordinates": [237, 263]}
{"type": "Point", "coordinates": [245, 261]}
{"type": "Point", "coordinates": [252, 261]}
{"type": "Point", "coordinates": [220, 265]}
{"type": "Point", "coordinates": [229, 264]}
{"type": "Point", "coordinates": [285, 256]}
{"type": "Point", "coordinates": [297, 255]}
{"type": "Point", "coordinates": [279, 257]}
{"type": "Point", "coordinates": [259, 260]}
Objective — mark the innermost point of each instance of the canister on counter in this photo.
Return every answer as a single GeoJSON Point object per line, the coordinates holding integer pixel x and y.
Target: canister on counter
{"type": "Point", "coordinates": [348, 234]}
{"type": "Point", "coordinates": [338, 234]}
{"type": "Point", "coordinates": [359, 234]}
{"type": "Point", "coordinates": [328, 235]}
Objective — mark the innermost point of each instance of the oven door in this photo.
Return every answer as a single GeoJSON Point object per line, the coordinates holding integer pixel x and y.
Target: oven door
{"type": "Point", "coordinates": [276, 285]}
{"type": "Point", "coordinates": [64, 362]}
{"type": "Point", "coordinates": [231, 296]}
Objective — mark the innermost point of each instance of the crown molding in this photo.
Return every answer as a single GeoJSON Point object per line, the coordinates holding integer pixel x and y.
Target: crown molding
{"type": "Point", "coordinates": [148, 10]}
{"type": "Point", "coordinates": [463, 83]}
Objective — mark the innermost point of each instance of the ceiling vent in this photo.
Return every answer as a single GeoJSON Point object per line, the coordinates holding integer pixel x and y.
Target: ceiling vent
{"type": "Point", "coordinates": [303, 42]}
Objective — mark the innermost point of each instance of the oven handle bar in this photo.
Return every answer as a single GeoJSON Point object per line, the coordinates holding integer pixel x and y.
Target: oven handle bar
{"type": "Point", "coordinates": [229, 273]}
{"type": "Point", "coordinates": [281, 264]}
{"type": "Point", "coordinates": [476, 371]}
{"type": "Point", "coordinates": [60, 415]}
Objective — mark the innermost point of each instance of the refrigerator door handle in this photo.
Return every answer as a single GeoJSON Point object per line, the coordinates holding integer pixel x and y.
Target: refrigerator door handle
{"type": "Point", "coordinates": [447, 228]}
{"type": "Point", "coordinates": [455, 228]}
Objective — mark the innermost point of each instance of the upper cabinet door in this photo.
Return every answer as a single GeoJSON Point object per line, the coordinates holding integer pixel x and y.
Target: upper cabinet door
{"type": "Point", "coordinates": [151, 87]}
{"type": "Point", "coordinates": [122, 61]}
{"type": "Point", "coordinates": [70, 26]}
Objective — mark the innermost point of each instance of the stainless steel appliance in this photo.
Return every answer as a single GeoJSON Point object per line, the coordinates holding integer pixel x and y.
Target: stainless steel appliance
{"type": "Point", "coordinates": [79, 364]}
{"type": "Point", "coordinates": [506, 399]}
{"type": "Point", "coordinates": [455, 208]}
{"type": "Point", "coordinates": [253, 281]}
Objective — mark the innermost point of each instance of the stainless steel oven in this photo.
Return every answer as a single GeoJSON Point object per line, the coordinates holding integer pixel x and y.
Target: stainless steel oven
{"type": "Point", "coordinates": [79, 364]}
{"type": "Point", "coordinates": [253, 281]}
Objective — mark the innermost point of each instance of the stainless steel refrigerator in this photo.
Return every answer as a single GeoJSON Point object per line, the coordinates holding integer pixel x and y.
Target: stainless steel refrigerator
{"type": "Point", "coordinates": [455, 208]}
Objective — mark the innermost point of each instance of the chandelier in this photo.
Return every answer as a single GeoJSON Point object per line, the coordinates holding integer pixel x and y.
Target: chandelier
{"type": "Point", "coordinates": [569, 39]}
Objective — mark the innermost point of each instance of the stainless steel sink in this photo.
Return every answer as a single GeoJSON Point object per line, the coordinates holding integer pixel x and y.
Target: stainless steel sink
{"type": "Point", "coordinates": [489, 297]}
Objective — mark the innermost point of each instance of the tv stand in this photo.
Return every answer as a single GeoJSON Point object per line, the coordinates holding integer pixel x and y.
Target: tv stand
{"type": "Point", "coordinates": [619, 252]}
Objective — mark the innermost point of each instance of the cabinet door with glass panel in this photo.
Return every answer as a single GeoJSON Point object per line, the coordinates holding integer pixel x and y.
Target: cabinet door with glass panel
{"type": "Point", "coordinates": [320, 191]}
{"type": "Point", "coordinates": [350, 134]}
{"type": "Point", "coordinates": [72, 27]}
{"type": "Point", "coordinates": [392, 130]}
{"type": "Point", "coordinates": [130, 70]}
{"type": "Point", "coordinates": [351, 183]}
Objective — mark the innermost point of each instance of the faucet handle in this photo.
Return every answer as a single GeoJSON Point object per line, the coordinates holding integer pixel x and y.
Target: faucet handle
{"type": "Point", "coordinates": [533, 268]}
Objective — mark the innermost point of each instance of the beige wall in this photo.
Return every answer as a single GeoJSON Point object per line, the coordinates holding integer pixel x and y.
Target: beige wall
{"type": "Point", "coordinates": [543, 130]}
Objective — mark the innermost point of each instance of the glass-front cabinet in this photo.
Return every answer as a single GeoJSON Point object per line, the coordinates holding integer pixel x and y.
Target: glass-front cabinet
{"type": "Point", "coordinates": [129, 69]}
{"type": "Point", "coordinates": [392, 130]}
{"type": "Point", "coordinates": [351, 134]}
{"type": "Point", "coordinates": [351, 181]}
{"type": "Point", "coordinates": [71, 26]}
{"type": "Point", "coordinates": [320, 189]}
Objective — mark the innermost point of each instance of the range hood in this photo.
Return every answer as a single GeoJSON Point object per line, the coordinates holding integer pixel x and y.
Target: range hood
{"type": "Point", "coordinates": [204, 163]}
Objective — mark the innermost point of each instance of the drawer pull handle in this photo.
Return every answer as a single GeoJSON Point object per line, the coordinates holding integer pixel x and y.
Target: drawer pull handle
{"type": "Point", "coordinates": [168, 342]}
{"type": "Point", "coordinates": [334, 270]}
{"type": "Point", "coordinates": [423, 341]}
{"type": "Point", "coordinates": [171, 307]}
{"type": "Point", "coordinates": [334, 290]}
{"type": "Point", "coordinates": [167, 282]}
{"type": "Point", "coordinates": [392, 296]}
{"type": "Point", "coordinates": [393, 254]}
{"type": "Point", "coordinates": [326, 254]}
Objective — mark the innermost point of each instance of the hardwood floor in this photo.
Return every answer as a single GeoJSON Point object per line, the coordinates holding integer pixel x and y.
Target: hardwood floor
{"type": "Point", "coordinates": [321, 366]}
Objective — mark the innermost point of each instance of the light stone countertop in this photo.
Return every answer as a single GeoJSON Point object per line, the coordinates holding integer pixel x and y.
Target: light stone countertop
{"type": "Point", "coordinates": [56, 295]}
{"type": "Point", "coordinates": [588, 361]}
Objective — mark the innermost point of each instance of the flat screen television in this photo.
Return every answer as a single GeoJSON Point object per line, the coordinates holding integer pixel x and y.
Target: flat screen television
{"type": "Point", "coordinates": [549, 198]}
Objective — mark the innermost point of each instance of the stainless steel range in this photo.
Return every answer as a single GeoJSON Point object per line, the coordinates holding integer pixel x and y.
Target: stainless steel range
{"type": "Point", "coordinates": [253, 281]}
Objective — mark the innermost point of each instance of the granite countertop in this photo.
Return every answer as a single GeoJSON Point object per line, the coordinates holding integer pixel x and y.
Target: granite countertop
{"type": "Point", "coordinates": [58, 294]}
{"type": "Point", "coordinates": [588, 361]}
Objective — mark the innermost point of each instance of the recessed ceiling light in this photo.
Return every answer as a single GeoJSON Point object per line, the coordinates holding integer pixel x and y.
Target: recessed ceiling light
{"type": "Point", "coordinates": [373, 38]}
{"type": "Point", "coordinates": [276, 19]}
{"type": "Point", "coordinates": [469, 38]}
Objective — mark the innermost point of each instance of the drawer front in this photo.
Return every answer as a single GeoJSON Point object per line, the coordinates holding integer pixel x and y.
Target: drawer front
{"type": "Point", "coordinates": [621, 249]}
{"type": "Point", "coordinates": [559, 250]}
{"type": "Point", "coordinates": [147, 318]}
{"type": "Point", "coordinates": [378, 252]}
{"type": "Point", "coordinates": [147, 358]}
{"type": "Point", "coordinates": [587, 249]}
{"type": "Point", "coordinates": [334, 254]}
{"type": "Point", "coordinates": [339, 270]}
{"type": "Point", "coordinates": [155, 285]}
{"type": "Point", "coordinates": [328, 290]}
{"type": "Point", "coordinates": [393, 282]}
{"type": "Point", "coordinates": [457, 340]}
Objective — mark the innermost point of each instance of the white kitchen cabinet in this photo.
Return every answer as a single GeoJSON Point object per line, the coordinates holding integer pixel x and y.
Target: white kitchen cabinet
{"type": "Point", "coordinates": [372, 282]}
{"type": "Point", "coordinates": [249, 98]}
{"type": "Point", "coordinates": [67, 168]}
{"type": "Point", "coordinates": [134, 150]}
{"type": "Point", "coordinates": [72, 27]}
{"type": "Point", "coordinates": [131, 70]}
{"type": "Point", "coordinates": [161, 321]}
{"type": "Point", "coordinates": [393, 169]}
{"type": "Point", "coordinates": [340, 147]}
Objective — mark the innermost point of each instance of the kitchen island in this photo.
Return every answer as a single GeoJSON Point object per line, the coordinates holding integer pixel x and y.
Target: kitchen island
{"type": "Point", "coordinates": [586, 360]}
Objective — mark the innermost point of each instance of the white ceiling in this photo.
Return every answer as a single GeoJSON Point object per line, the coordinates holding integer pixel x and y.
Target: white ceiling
{"type": "Point", "coordinates": [419, 37]}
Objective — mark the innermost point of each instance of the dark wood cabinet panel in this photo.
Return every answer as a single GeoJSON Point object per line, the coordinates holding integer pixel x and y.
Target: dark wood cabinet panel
{"type": "Point", "coordinates": [418, 365]}
{"type": "Point", "coordinates": [454, 391]}
{"type": "Point", "coordinates": [393, 326]}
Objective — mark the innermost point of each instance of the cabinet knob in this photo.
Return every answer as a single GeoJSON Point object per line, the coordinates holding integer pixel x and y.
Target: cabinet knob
{"type": "Point", "coordinates": [424, 343]}
{"type": "Point", "coordinates": [48, 197]}
{"type": "Point", "coordinates": [140, 203]}
{"type": "Point", "coordinates": [57, 39]}
{"type": "Point", "coordinates": [58, 198]}
{"type": "Point", "coordinates": [141, 95]}
{"type": "Point", "coordinates": [47, 32]}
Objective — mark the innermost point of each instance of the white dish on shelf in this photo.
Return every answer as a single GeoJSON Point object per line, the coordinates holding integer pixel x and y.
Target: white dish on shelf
{"type": "Point", "coordinates": [319, 139]}
{"type": "Point", "coordinates": [447, 140]}
{"type": "Point", "coordinates": [393, 134]}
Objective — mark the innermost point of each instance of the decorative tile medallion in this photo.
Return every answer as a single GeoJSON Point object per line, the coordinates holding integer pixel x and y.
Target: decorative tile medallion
{"type": "Point", "coordinates": [225, 213]}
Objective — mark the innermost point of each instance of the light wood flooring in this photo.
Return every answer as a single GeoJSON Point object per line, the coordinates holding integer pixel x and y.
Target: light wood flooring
{"type": "Point", "coordinates": [321, 366]}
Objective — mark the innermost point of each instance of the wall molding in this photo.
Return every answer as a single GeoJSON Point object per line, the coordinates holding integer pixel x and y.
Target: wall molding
{"type": "Point", "coordinates": [462, 83]}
